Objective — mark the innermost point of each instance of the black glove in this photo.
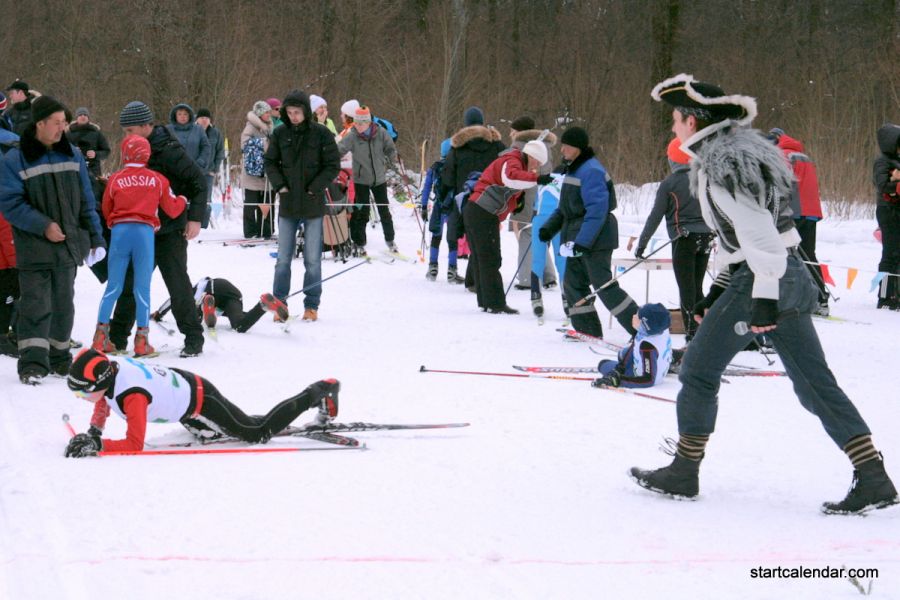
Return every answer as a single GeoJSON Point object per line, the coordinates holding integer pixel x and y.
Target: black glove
{"type": "Point", "coordinates": [545, 235]}
{"type": "Point", "coordinates": [156, 316]}
{"type": "Point", "coordinates": [580, 250]}
{"type": "Point", "coordinates": [83, 445]}
{"type": "Point", "coordinates": [545, 179]}
{"type": "Point", "coordinates": [763, 312]}
{"type": "Point", "coordinates": [520, 204]}
{"type": "Point", "coordinates": [424, 212]}
{"type": "Point", "coordinates": [613, 379]}
{"type": "Point", "coordinates": [639, 251]}
{"type": "Point", "coordinates": [701, 307]}
{"type": "Point", "coordinates": [94, 431]}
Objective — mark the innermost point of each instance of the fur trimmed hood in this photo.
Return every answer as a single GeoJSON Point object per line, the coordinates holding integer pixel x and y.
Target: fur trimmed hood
{"type": "Point", "coordinates": [532, 134]}
{"type": "Point", "coordinates": [738, 158]}
{"type": "Point", "coordinates": [254, 121]}
{"type": "Point", "coordinates": [474, 132]}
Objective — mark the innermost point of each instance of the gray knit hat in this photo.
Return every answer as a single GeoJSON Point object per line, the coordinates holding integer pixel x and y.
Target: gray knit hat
{"type": "Point", "coordinates": [135, 113]}
{"type": "Point", "coordinates": [81, 110]}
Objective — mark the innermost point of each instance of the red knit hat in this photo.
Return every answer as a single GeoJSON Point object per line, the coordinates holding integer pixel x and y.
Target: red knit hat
{"type": "Point", "coordinates": [676, 154]}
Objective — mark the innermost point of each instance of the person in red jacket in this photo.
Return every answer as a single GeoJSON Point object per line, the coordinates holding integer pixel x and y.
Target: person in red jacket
{"type": "Point", "coordinates": [130, 203]}
{"type": "Point", "coordinates": [141, 393]}
{"type": "Point", "coordinates": [9, 287]}
{"type": "Point", "coordinates": [806, 206]}
{"type": "Point", "coordinates": [495, 196]}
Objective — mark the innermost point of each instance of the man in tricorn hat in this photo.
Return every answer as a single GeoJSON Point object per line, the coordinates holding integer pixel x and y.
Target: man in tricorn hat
{"type": "Point", "coordinates": [743, 184]}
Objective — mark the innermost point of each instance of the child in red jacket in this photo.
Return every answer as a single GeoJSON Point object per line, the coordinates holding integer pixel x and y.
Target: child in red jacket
{"type": "Point", "coordinates": [130, 203]}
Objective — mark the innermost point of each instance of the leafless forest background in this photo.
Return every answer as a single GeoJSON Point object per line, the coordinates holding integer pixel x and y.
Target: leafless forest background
{"type": "Point", "coordinates": [824, 71]}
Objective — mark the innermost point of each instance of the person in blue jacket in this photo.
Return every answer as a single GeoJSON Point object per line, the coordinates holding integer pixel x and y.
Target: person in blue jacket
{"type": "Point", "coordinates": [191, 135]}
{"type": "Point", "coordinates": [590, 233]}
{"type": "Point", "coordinates": [645, 361]}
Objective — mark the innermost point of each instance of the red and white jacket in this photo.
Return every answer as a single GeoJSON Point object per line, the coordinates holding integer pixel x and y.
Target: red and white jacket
{"type": "Point", "coordinates": [136, 193]}
{"type": "Point", "coordinates": [502, 183]}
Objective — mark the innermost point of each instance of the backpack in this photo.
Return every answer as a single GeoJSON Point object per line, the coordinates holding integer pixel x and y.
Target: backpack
{"type": "Point", "coordinates": [252, 153]}
{"type": "Point", "coordinates": [463, 197]}
{"type": "Point", "coordinates": [387, 126]}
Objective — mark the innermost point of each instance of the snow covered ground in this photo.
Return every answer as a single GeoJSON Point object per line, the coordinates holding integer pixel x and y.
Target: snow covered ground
{"type": "Point", "coordinates": [531, 501]}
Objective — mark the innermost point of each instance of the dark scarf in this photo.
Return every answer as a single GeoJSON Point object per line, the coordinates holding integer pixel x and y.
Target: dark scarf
{"type": "Point", "coordinates": [369, 133]}
{"type": "Point", "coordinates": [586, 155]}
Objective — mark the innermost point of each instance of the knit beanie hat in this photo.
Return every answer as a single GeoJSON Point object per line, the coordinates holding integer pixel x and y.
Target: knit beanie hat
{"type": "Point", "coordinates": [3, 102]}
{"type": "Point", "coordinates": [473, 116]}
{"type": "Point", "coordinates": [349, 107]}
{"type": "Point", "coordinates": [204, 112]}
{"type": "Point", "coordinates": [676, 154]}
{"type": "Point", "coordinates": [135, 113]}
{"type": "Point", "coordinates": [536, 150]}
{"type": "Point", "coordinates": [135, 149]}
{"type": "Point", "coordinates": [576, 137]}
{"type": "Point", "coordinates": [261, 107]}
{"type": "Point", "coordinates": [81, 110]}
{"type": "Point", "coordinates": [90, 371]}
{"type": "Point", "coordinates": [316, 101]}
{"type": "Point", "coordinates": [523, 123]}
{"type": "Point", "coordinates": [654, 318]}
{"type": "Point", "coordinates": [274, 103]}
{"type": "Point", "coordinates": [362, 115]}
{"type": "Point", "coordinates": [44, 106]}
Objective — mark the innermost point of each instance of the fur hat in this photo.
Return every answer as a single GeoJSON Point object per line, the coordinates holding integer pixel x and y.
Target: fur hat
{"type": "Point", "coordinates": [676, 154]}
{"type": "Point", "coordinates": [44, 106]}
{"type": "Point", "coordinates": [654, 318]}
{"type": "Point", "coordinates": [316, 101]}
{"type": "Point", "coordinates": [473, 116]}
{"type": "Point", "coordinates": [135, 113]}
{"type": "Point", "coordinates": [135, 150]}
{"type": "Point", "coordinates": [204, 112]}
{"type": "Point", "coordinates": [81, 110]}
{"type": "Point", "coordinates": [261, 107]}
{"type": "Point", "coordinates": [704, 100]}
{"type": "Point", "coordinates": [537, 150]}
{"type": "Point", "coordinates": [523, 123]}
{"type": "Point", "coordinates": [274, 103]}
{"type": "Point", "coordinates": [576, 137]}
{"type": "Point", "coordinates": [349, 107]}
{"type": "Point", "coordinates": [362, 115]}
{"type": "Point", "coordinates": [90, 371]}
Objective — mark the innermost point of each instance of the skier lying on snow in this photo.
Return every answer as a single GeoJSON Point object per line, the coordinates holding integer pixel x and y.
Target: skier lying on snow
{"type": "Point", "coordinates": [127, 386]}
{"type": "Point", "coordinates": [215, 294]}
{"type": "Point", "coordinates": [645, 362]}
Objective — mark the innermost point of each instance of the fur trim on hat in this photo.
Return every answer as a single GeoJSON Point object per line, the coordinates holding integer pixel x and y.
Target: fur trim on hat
{"type": "Point", "coordinates": [474, 132]}
{"type": "Point", "coordinates": [532, 134]}
{"type": "Point", "coordinates": [685, 81]}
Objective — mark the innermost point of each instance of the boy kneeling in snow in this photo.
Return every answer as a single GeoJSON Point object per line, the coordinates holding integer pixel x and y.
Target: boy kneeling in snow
{"type": "Point", "coordinates": [644, 362]}
{"type": "Point", "coordinates": [127, 386]}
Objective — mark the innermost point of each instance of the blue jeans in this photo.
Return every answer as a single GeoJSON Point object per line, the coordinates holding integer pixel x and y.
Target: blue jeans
{"type": "Point", "coordinates": [312, 259]}
{"type": "Point", "coordinates": [796, 341]}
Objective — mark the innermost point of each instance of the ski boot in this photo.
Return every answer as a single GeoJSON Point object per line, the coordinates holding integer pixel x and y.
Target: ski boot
{"type": "Point", "coordinates": [326, 391]}
{"type": "Point", "coordinates": [392, 247]}
{"type": "Point", "coordinates": [537, 305]}
{"type": "Point", "coordinates": [432, 273]}
{"type": "Point", "coordinates": [142, 347]}
{"type": "Point", "coordinates": [208, 307]}
{"type": "Point", "coordinates": [871, 489]}
{"type": "Point", "coordinates": [680, 480]}
{"type": "Point", "coordinates": [453, 277]}
{"type": "Point", "coordinates": [503, 310]}
{"type": "Point", "coordinates": [101, 342]}
{"type": "Point", "coordinates": [274, 305]}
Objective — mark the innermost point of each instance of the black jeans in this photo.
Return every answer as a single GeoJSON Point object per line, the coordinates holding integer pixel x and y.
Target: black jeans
{"type": "Point", "coordinates": [690, 255]}
{"type": "Point", "coordinates": [171, 258]}
{"type": "Point", "coordinates": [594, 269]}
{"type": "Point", "coordinates": [360, 217]}
{"type": "Point", "coordinates": [219, 415]}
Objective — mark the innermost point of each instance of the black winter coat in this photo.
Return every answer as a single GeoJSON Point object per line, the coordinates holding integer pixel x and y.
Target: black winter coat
{"type": "Point", "coordinates": [19, 114]}
{"type": "Point", "coordinates": [473, 148]}
{"type": "Point", "coordinates": [681, 209]}
{"type": "Point", "coordinates": [89, 137]}
{"type": "Point", "coordinates": [168, 157]}
{"type": "Point", "coordinates": [304, 159]}
{"type": "Point", "coordinates": [887, 191]}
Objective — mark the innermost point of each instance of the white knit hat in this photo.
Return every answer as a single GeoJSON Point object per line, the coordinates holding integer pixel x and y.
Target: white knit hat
{"type": "Point", "coordinates": [349, 107]}
{"type": "Point", "coordinates": [536, 150]}
{"type": "Point", "coordinates": [316, 101]}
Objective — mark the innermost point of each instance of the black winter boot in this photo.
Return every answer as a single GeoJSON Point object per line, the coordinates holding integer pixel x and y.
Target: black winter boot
{"type": "Point", "coordinates": [679, 480]}
{"type": "Point", "coordinates": [871, 489]}
{"type": "Point", "coordinates": [431, 275]}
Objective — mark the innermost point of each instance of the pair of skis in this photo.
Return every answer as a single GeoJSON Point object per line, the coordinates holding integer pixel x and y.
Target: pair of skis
{"type": "Point", "coordinates": [728, 372]}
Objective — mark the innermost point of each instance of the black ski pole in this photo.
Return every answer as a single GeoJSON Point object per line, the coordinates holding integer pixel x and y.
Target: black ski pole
{"type": "Point", "coordinates": [309, 287]}
{"type": "Point", "coordinates": [817, 273]}
{"type": "Point", "coordinates": [516, 274]}
{"type": "Point", "coordinates": [591, 296]}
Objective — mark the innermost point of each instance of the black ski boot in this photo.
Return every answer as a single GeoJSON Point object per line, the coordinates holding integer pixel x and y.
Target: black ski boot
{"type": "Point", "coordinates": [453, 277]}
{"type": "Point", "coordinates": [871, 489]}
{"type": "Point", "coordinates": [537, 305]}
{"type": "Point", "coordinates": [680, 480]}
{"type": "Point", "coordinates": [431, 275]}
{"type": "Point", "coordinates": [503, 310]}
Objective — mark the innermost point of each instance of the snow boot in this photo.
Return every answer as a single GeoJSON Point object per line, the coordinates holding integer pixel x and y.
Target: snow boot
{"type": "Point", "coordinates": [359, 251]}
{"type": "Point", "coordinates": [432, 273]}
{"type": "Point", "coordinates": [101, 341]}
{"type": "Point", "coordinates": [871, 489]}
{"type": "Point", "coordinates": [680, 480]}
{"type": "Point", "coordinates": [453, 277]}
{"type": "Point", "coordinates": [208, 308]}
{"type": "Point", "coordinates": [274, 305]}
{"type": "Point", "coordinates": [503, 310]}
{"type": "Point", "coordinates": [142, 346]}
{"type": "Point", "coordinates": [310, 315]}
